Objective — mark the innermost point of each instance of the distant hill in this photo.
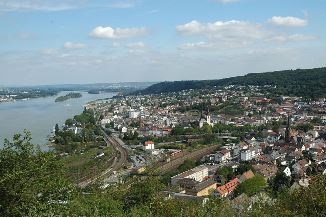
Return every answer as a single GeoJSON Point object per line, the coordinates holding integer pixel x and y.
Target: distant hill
{"type": "Point", "coordinates": [300, 82]}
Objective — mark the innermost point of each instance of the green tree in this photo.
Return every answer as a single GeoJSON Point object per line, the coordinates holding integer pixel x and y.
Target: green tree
{"type": "Point", "coordinates": [226, 172]}
{"type": "Point", "coordinates": [244, 167]}
{"type": "Point", "coordinates": [31, 181]}
{"type": "Point", "coordinates": [305, 127]}
{"type": "Point", "coordinates": [69, 122]}
{"type": "Point", "coordinates": [280, 182]}
{"type": "Point", "coordinates": [309, 201]}
{"type": "Point", "coordinates": [142, 192]}
{"type": "Point", "coordinates": [251, 186]}
{"type": "Point", "coordinates": [187, 165]}
{"type": "Point", "coordinates": [56, 129]}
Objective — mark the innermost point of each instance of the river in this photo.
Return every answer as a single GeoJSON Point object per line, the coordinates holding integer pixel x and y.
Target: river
{"type": "Point", "coordinates": [40, 115]}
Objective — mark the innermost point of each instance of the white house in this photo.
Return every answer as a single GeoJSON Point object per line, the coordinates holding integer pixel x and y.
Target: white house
{"type": "Point", "coordinates": [198, 174]}
{"type": "Point", "coordinates": [222, 156]}
{"type": "Point", "coordinates": [247, 155]}
{"type": "Point", "coordinates": [287, 171]}
{"type": "Point", "coordinates": [149, 145]}
{"type": "Point", "coordinates": [134, 114]}
{"type": "Point", "coordinates": [124, 129]}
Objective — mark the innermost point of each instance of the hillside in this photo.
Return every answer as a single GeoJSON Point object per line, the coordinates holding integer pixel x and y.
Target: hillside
{"type": "Point", "coordinates": [300, 82]}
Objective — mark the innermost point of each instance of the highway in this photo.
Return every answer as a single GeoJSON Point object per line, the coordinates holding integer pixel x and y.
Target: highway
{"type": "Point", "coordinates": [120, 160]}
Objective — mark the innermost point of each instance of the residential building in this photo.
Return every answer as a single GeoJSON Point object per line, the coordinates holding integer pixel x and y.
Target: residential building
{"type": "Point", "coordinates": [198, 174]}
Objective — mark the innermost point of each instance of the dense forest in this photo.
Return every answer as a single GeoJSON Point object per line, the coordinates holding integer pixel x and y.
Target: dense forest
{"type": "Point", "coordinates": [300, 82]}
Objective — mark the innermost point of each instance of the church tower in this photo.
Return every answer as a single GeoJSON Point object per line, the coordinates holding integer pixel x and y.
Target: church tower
{"type": "Point", "coordinates": [208, 117]}
{"type": "Point", "coordinates": [287, 132]}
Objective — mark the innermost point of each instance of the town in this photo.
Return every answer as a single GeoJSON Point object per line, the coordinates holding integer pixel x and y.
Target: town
{"type": "Point", "coordinates": [231, 142]}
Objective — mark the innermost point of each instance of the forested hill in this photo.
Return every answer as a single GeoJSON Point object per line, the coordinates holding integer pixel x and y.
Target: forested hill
{"type": "Point", "coordinates": [300, 82]}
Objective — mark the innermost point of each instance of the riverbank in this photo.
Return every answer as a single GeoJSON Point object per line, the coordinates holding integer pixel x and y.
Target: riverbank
{"type": "Point", "coordinates": [41, 115]}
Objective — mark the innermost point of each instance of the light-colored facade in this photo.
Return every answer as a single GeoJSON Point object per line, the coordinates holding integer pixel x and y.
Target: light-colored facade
{"type": "Point", "coordinates": [198, 174]}
{"type": "Point", "coordinates": [149, 145]}
{"type": "Point", "coordinates": [247, 155]}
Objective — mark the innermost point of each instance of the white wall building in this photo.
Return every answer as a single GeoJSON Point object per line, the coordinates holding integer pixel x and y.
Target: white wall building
{"type": "Point", "coordinates": [247, 155]}
{"type": "Point", "coordinates": [134, 114]}
{"type": "Point", "coordinates": [149, 145]}
{"type": "Point", "coordinates": [197, 173]}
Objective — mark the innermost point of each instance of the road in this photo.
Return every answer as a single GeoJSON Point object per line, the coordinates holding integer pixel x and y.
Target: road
{"type": "Point", "coordinates": [120, 160]}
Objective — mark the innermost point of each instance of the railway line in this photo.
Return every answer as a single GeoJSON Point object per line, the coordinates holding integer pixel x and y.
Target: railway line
{"type": "Point", "coordinates": [196, 155]}
{"type": "Point", "coordinates": [120, 160]}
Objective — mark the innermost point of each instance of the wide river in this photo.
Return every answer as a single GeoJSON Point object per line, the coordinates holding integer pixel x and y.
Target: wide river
{"type": "Point", "coordinates": [40, 115]}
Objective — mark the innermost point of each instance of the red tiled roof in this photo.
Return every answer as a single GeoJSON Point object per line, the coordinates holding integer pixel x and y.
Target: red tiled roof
{"type": "Point", "coordinates": [228, 187]}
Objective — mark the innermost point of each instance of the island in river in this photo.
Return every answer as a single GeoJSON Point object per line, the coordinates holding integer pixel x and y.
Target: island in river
{"type": "Point", "coordinates": [68, 96]}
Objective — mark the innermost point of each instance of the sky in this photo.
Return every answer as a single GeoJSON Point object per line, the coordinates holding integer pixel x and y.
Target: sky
{"type": "Point", "coordinates": [92, 41]}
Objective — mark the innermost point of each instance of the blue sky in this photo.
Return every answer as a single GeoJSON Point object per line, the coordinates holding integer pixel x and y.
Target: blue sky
{"type": "Point", "coordinates": [84, 41]}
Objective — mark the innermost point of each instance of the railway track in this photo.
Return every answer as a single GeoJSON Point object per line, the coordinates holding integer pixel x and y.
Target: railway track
{"type": "Point", "coordinates": [120, 160]}
{"type": "Point", "coordinates": [196, 155]}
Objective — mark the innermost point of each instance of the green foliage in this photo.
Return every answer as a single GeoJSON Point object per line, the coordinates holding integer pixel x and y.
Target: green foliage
{"type": "Point", "coordinates": [69, 122]}
{"type": "Point", "coordinates": [68, 96]}
{"type": "Point", "coordinates": [305, 127]}
{"type": "Point", "coordinates": [32, 183]}
{"type": "Point", "coordinates": [301, 82]}
{"type": "Point", "coordinates": [317, 121]}
{"type": "Point", "coordinates": [280, 182]}
{"type": "Point", "coordinates": [309, 201]}
{"type": "Point", "coordinates": [56, 129]}
{"type": "Point", "coordinates": [244, 167]}
{"type": "Point", "coordinates": [251, 186]}
{"type": "Point", "coordinates": [67, 140]}
{"type": "Point", "coordinates": [225, 172]}
{"type": "Point", "coordinates": [95, 204]}
{"type": "Point", "coordinates": [87, 117]}
{"type": "Point", "coordinates": [142, 192]}
{"type": "Point", "coordinates": [232, 109]}
{"type": "Point", "coordinates": [187, 165]}
{"type": "Point", "coordinates": [30, 180]}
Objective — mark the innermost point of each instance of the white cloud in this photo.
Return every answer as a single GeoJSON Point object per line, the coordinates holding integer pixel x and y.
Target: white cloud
{"type": "Point", "coordinates": [293, 38]}
{"type": "Point", "coordinates": [197, 45]}
{"type": "Point", "coordinates": [38, 5]}
{"type": "Point", "coordinates": [49, 51]}
{"type": "Point", "coordinates": [117, 33]}
{"type": "Point", "coordinates": [137, 45]}
{"type": "Point", "coordinates": [215, 46]}
{"type": "Point", "coordinates": [226, 1]}
{"type": "Point", "coordinates": [71, 45]}
{"type": "Point", "coordinates": [122, 4]}
{"type": "Point", "coordinates": [27, 35]}
{"type": "Point", "coordinates": [221, 35]}
{"type": "Point", "coordinates": [288, 21]}
{"type": "Point", "coordinates": [229, 30]}
{"type": "Point", "coordinates": [60, 5]}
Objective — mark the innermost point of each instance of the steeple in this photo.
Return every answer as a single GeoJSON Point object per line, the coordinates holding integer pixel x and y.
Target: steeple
{"type": "Point", "coordinates": [208, 117]}
{"type": "Point", "coordinates": [287, 132]}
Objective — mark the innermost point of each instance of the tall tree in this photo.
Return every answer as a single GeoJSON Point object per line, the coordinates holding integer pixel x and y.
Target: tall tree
{"type": "Point", "coordinates": [56, 129]}
{"type": "Point", "coordinates": [31, 181]}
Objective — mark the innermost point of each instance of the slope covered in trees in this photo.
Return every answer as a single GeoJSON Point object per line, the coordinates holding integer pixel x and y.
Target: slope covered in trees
{"type": "Point", "coordinates": [300, 82]}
